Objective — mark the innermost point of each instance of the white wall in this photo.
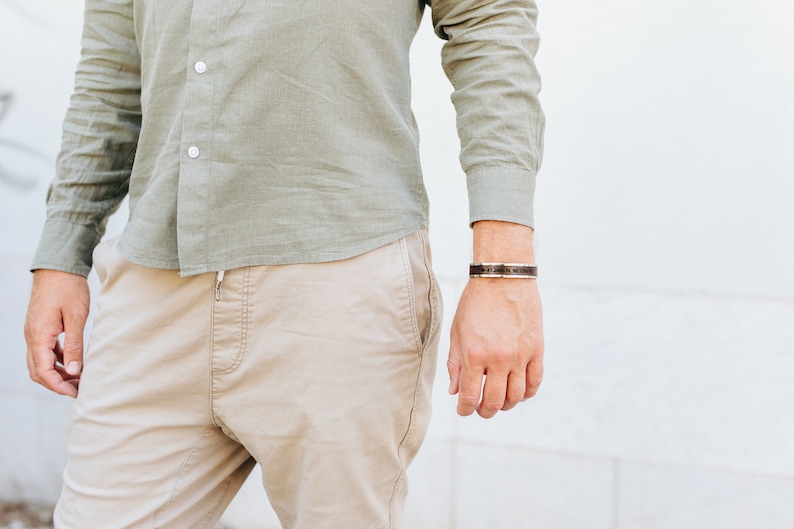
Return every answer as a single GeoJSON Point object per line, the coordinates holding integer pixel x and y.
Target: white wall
{"type": "Point", "coordinates": [664, 235]}
{"type": "Point", "coordinates": [39, 43]}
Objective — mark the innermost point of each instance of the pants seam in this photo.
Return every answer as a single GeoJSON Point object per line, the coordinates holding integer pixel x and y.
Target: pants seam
{"type": "Point", "coordinates": [417, 387]}
{"type": "Point", "coordinates": [412, 417]}
{"type": "Point", "coordinates": [400, 448]}
{"type": "Point", "coordinates": [221, 496]}
{"type": "Point", "coordinates": [210, 374]}
{"type": "Point", "coordinates": [244, 315]}
{"type": "Point", "coordinates": [409, 283]}
{"type": "Point", "coordinates": [178, 475]}
{"type": "Point", "coordinates": [432, 298]}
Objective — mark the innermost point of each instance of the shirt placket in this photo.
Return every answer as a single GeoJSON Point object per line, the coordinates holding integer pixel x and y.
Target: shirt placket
{"type": "Point", "coordinates": [195, 162]}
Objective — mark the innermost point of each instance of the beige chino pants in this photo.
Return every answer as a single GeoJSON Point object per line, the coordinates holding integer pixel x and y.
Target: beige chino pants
{"type": "Point", "coordinates": [322, 373]}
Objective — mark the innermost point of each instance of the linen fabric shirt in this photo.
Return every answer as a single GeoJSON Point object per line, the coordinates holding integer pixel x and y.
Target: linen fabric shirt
{"type": "Point", "coordinates": [275, 132]}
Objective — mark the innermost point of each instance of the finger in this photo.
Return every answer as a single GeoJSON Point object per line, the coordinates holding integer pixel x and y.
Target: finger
{"type": "Point", "coordinates": [58, 352]}
{"type": "Point", "coordinates": [453, 367]}
{"type": "Point", "coordinates": [471, 383]}
{"type": "Point", "coordinates": [516, 389]}
{"type": "Point", "coordinates": [66, 376]}
{"type": "Point", "coordinates": [534, 378]}
{"type": "Point", "coordinates": [470, 389]}
{"type": "Point", "coordinates": [43, 351]}
{"type": "Point", "coordinates": [44, 371]}
{"type": "Point", "coordinates": [74, 324]}
{"type": "Point", "coordinates": [52, 379]}
{"type": "Point", "coordinates": [493, 394]}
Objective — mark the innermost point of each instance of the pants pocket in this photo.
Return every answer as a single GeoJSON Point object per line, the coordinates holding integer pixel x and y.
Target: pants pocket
{"type": "Point", "coordinates": [426, 303]}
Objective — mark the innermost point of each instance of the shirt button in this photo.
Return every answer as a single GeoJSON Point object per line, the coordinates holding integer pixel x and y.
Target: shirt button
{"type": "Point", "coordinates": [200, 67]}
{"type": "Point", "coordinates": [193, 151]}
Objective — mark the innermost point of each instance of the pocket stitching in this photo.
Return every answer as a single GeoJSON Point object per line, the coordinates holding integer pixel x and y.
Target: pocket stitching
{"type": "Point", "coordinates": [432, 294]}
{"type": "Point", "coordinates": [409, 285]}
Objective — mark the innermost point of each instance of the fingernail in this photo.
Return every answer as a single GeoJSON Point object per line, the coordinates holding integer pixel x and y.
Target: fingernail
{"type": "Point", "coordinates": [73, 368]}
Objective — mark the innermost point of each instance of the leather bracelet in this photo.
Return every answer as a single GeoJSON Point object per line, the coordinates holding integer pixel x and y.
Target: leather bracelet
{"type": "Point", "coordinates": [507, 270]}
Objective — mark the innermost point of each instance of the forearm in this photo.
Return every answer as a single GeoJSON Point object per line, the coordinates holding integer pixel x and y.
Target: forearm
{"type": "Point", "coordinates": [489, 59]}
{"type": "Point", "coordinates": [100, 137]}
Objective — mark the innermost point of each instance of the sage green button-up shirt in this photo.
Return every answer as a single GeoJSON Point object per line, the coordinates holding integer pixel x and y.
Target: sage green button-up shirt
{"type": "Point", "coordinates": [280, 131]}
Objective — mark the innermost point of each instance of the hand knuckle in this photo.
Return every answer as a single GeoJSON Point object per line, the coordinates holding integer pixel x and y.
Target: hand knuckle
{"type": "Point", "coordinates": [502, 358]}
{"type": "Point", "coordinates": [33, 328]}
{"type": "Point", "coordinates": [513, 399]}
{"type": "Point", "coordinates": [468, 400]}
{"type": "Point", "coordinates": [475, 353]}
{"type": "Point", "coordinates": [72, 346]}
{"type": "Point", "coordinates": [473, 359]}
{"type": "Point", "coordinates": [493, 404]}
{"type": "Point", "coordinates": [80, 312]}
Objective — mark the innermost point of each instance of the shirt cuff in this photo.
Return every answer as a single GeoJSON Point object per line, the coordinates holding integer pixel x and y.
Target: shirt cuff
{"type": "Point", "coordinates": [66, 247]}
{"type": "Point", "coordinates": [502, 193]}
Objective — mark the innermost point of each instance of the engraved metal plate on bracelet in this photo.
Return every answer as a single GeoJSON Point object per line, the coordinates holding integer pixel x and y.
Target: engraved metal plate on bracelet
{"type": "Point", "coordinates": [503, 270]}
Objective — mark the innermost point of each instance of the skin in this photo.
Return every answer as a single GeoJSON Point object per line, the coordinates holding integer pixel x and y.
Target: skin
{"type": "Point", "coordinates": [496, 336]}
{"type": "Point", "coordinates": [497, 331]}
{"type": "Point", "coordinates": [59, 303]}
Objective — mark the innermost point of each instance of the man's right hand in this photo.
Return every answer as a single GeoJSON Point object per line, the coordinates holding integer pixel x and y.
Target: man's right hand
{"type": "Point", "coordinates": [59, 304]}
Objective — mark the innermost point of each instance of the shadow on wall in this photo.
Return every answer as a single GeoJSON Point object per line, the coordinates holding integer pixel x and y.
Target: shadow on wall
{"type": "Point", "coordinates": [9, 177]}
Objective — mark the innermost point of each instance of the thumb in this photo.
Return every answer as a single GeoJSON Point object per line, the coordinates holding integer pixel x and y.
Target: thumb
{"type": "Point", "coordinates": [74, 324]}
{"type": "Point", "coordinates": [453, 367]}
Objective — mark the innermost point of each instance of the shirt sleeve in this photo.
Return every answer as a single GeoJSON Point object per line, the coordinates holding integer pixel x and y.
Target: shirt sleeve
{"type": "Point", "coordinates": [100, 135]}
{"type": "Point", "coordinates": [489, 59]}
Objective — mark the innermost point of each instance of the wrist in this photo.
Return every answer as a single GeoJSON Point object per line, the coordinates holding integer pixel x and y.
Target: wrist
{"type": "Point", "coordinates": [504, 270]}
{"type": "Point", "coordinates": [502, 242]}
{"type": "Point", "coordinates": [51, 277]}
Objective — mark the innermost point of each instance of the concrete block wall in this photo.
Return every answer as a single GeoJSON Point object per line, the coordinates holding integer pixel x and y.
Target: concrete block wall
{"type": "Point", "coordinates": [664, 240]}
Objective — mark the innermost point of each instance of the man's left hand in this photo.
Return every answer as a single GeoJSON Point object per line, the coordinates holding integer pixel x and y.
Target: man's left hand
{"type": "Point", "coordinates": [497, 333]}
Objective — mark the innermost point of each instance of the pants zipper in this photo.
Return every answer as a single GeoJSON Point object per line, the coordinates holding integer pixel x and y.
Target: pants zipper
{"type": "Point", "coordinates": [218, 280]}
